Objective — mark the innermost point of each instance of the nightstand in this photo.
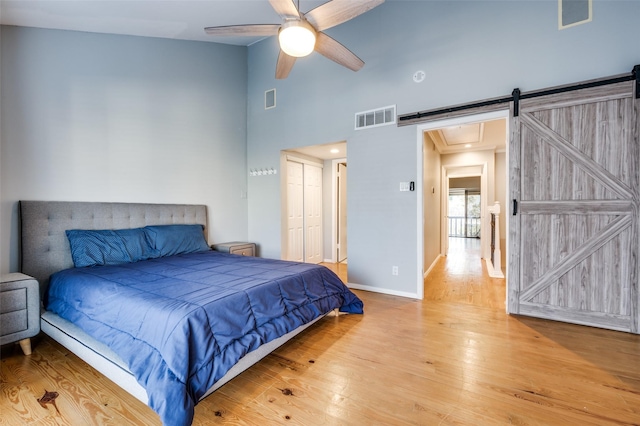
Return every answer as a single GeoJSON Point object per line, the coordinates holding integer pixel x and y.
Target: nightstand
{"type": "Point", "coordinates": [19, 310]}
{"type": "Point", "coordinates": [236, 247]}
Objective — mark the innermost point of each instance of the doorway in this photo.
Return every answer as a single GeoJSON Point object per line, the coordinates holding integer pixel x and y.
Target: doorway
{"type": "Point", "coordinates": [303, 224]}
{"type": "Point", "coordinates": [470, 182]}
{"type": "Point", "coordinates": [328, 192]}
{"type": "Point", "coordinates": [459, 147]}
{"type": "Point", "coordinates": [464, 220]}
{"type": "Point", "coordinates": [341, 213]}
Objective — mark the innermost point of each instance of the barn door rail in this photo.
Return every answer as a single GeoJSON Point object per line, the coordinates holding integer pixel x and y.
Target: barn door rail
{"type": "Point", "coordinates": [515, 97]}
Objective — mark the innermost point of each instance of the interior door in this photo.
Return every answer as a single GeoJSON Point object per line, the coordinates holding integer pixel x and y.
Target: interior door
{"type": "Point", "coordinates": [574, 219]}
{"type": "Point", "coordinates": [313, 213]}
{"type": "Point", "coordinates": [295, 212]}
{"type": "Point", "coordinates": [342, 212]}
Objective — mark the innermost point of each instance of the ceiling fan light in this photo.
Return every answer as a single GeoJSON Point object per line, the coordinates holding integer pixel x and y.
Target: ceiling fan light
{"type": "Point", "coordinates": [297, 39]}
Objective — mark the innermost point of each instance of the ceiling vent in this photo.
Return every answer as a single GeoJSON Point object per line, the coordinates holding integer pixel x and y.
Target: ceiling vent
{"type": "Point", "coordinates": [270, 99]}
{"type": "Point", "coordinates": [376, 117]}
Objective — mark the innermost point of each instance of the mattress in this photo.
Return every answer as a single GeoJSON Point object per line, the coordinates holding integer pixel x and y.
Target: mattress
{"type": "Point", "coordinates": [180, 323]}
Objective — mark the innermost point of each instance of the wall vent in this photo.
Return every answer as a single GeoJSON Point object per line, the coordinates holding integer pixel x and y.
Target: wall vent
{"type": "Point", "coordinates": [270, 99]}
{"type": "Point", "coordinates": [376, 117]}
{"type": "Point", "coordinates": [574, 12]}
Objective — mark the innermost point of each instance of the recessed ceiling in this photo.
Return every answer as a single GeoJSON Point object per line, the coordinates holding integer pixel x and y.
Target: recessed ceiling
{"type": "Point", "coordinates": [463, 134]}
{"type": "Point", "coordinates": [485, 135]}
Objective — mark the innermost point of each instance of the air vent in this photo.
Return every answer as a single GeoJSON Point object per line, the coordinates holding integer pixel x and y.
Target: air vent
{"type": "Point", "coordinates": [376, 117]}
{"type": "Point", "coordinates": [270, 99]}
{"type": "Point", "coordinates": [574, 12]}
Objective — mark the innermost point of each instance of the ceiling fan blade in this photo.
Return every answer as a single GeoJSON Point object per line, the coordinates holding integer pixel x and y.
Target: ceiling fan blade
{"type": "Point", "coordinates": [285, 8]}
{"type": "Point", "coordinates": [244, 30]}
{"type": "Point", "coordinates": [335, 51]}
{"type": "Point", "coordinates": [336, 12]}
{"type": "Point", "coordinates": [284, 65]}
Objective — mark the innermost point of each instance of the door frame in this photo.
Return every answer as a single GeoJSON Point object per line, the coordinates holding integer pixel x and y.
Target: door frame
{"type": "Point", "coordinates": [464, 117]}
{"type": "Point", "coordinates": [297, 157]}
{"type": "Point", "coordinates": [334, 208]}
{"type": "Point", "coordinates": [444, 229]}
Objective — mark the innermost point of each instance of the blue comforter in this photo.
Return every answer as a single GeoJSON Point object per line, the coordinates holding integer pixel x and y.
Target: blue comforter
{"type": "Point", "coordinates": [181, 322]}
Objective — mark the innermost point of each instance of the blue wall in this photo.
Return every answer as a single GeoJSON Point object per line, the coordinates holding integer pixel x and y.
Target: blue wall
{"type": "Point", "coordinates": [95, 117]}
{"type": "Point", "coordinates": [468, 50]}
{"type": "Point", "coordinates": [119, 118]}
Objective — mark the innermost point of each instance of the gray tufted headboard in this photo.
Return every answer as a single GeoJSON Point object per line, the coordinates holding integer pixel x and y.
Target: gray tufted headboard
{"type": "Point", "coordinates": [45, 248]}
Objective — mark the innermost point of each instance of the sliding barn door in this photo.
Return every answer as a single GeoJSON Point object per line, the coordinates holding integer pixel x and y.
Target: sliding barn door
{"type": "Point", "coordinates": [574, 185]}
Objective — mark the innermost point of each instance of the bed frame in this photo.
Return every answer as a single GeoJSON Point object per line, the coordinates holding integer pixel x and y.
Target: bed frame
{"type": "Point", "coordinates": [45, 250]}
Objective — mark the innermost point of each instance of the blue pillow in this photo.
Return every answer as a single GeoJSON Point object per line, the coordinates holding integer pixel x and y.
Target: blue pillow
{"type": "Point", "coordinates": [108, 247]}
{"type": "Point", "coordinates": [177, 239]}
{"type": "Point", "coordinates": [137, 244]}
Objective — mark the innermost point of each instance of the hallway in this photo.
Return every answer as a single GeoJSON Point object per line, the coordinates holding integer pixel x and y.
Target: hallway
{"type": "Point", "coordinates": [462, 277]}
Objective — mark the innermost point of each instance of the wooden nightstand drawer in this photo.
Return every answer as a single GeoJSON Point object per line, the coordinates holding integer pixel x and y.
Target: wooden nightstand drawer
{"type": "Point", "coordinates": [237, 247]}
{"type": "Point", "coordinates": [243, 251]}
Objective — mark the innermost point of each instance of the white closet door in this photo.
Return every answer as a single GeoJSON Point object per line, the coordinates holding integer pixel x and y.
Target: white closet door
{"type": "Point", "coordinates": [313, 213]}
{"type": "Point", "coordinates": [295, 211]}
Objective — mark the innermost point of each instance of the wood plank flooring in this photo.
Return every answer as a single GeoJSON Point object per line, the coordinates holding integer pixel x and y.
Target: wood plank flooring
{"type": "Point", "coordinates": [454, 358]}
{"type": "Point", "coordinates": [463, 278]}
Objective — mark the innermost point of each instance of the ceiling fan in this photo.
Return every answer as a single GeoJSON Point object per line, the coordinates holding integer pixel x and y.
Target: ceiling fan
{"type": "Point", "coordinates": [302, 33]}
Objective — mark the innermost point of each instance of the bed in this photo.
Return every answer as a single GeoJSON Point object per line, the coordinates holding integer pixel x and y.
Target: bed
{"type": "Point", "coordinates": [154, 308]}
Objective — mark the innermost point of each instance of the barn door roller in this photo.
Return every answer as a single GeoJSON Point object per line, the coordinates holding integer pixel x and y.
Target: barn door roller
{"type": "Point", "coordinates": [636, 74]}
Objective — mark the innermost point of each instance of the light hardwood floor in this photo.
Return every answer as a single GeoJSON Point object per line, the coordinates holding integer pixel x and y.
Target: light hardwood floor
{"type": "Point", "coordinates": [454, 358]}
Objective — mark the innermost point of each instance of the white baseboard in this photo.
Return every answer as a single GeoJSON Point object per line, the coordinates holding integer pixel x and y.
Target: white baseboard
{"type": "Point", "coordinates": [433, 265]}
{"type": "Point", "coordinates": [344, 262]}
{"type": "Point", "coordinates": [382, 290]}
{"type": "Point", "coordinates": [493, 273]}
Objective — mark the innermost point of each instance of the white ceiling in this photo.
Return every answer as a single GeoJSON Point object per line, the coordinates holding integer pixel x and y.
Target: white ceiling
{"type": "Point", "coordinates": [175, 19]}
{"type": "Point", "coordinates": [330, 151]}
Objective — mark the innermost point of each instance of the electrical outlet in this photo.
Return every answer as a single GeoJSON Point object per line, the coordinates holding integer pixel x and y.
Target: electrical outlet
{"type": "Point", "coordinates": [394, 270]}
{"type": "Point", "coordinates": [404, 186]}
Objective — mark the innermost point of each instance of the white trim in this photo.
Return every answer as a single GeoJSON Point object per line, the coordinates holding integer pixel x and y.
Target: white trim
{"type": "Point", "coordinates": [334, 209]}
{"type": "Point", "coordinates": [482, 174]}
{"type": "Point", "coordinates": [383, 290]}
{"type": "Point", "coordinates": [420, 217]}
{"type": "Point", "coordinates": [444, 212]}
{"type": "Point", "coordinates": [493, 273]}
{"type": "Point", "coordinates": [433, 265]}
{"type": "Point", "coordinates": [432, 125]}
{"type": "Point", "coordinates": [284, 195]}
